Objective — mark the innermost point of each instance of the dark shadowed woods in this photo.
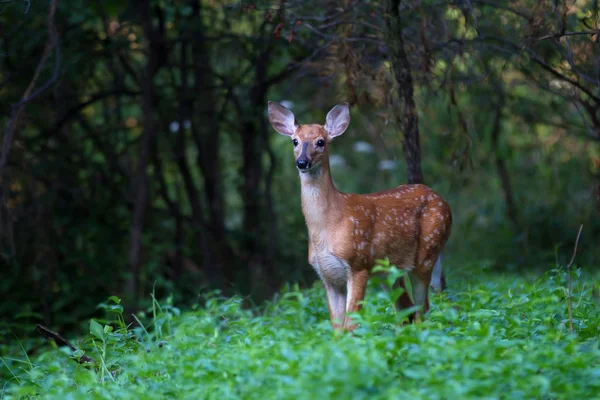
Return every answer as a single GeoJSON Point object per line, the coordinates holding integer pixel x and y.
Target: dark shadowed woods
{"type": "Point", "coordinates": [137, 157]}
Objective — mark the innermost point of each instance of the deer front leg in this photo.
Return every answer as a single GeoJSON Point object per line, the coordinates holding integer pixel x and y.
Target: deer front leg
{"type": "Point", "coordinates": [336, 299]}
{"type": "Point", "coordinates": [312, 257]}
{"type": "Point", "coordinates": [336, 295]}
{"type": "Point", "coordinates": [357, 287]}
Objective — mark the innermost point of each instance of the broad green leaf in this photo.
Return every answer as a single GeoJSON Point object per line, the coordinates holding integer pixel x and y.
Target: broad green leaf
{"type": "Point", "coordinates": [97, 330]}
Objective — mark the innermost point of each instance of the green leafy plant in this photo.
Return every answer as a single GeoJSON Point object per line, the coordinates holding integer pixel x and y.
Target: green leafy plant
{"type": "Point", "coordinates": [489, 336]}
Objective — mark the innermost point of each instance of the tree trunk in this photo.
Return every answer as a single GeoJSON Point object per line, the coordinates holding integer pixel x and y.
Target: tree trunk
{"type": "Point", "coordinates": [156, 56]}
{"type": "Point", "coordinates": [511, 208]}
{"type": "Point", "coordinates": [259, 223]}
{"type": "Point", "coordinates": [220, 270]}
{"type": "Point", "coordinates": [406, 111]}
{"type": "Point", "coordinates": [254, 219]}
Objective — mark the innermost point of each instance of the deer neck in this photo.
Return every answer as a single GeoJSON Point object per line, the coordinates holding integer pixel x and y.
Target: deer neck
{"type": "Point", "coordinates": [321, 201]}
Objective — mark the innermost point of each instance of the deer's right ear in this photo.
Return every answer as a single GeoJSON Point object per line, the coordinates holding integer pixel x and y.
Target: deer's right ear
{"type": "Point", "coordinates": [282, 119]}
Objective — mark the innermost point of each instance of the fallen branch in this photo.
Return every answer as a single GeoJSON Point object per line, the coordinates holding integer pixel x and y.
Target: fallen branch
{"type": "Point", "coordinates": [569, 300]}
{"type": "Point", "coordinates": [62, 342]}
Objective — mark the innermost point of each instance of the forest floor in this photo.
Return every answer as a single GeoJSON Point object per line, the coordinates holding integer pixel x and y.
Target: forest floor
{"type": "Point", "coordinates": [489, 336]}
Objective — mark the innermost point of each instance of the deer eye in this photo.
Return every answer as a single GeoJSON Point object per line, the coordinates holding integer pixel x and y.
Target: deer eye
{"type": "Point", "coordinates": [320, 143]}
{"type": "Point", "coordinates": [295, 142]}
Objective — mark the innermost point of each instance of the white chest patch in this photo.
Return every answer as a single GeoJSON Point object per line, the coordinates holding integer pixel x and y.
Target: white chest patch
{"type": "Point", "coordinates": [331, 268]}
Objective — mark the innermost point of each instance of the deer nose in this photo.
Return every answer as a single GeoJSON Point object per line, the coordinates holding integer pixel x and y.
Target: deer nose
{"type": "Point", "coordinates": [302, 163]}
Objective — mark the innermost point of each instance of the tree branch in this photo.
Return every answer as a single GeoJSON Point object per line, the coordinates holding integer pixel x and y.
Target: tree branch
{"type": "Point", "coordinates": [62, 342]}
{"type": "Point", "coordinates": [558, 35]}
{"type": "Point", "coordinates": [30, 94]}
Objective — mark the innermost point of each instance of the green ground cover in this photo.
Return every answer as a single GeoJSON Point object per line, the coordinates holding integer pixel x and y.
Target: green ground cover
{"type": "Point", "coordinates": [489, 336]}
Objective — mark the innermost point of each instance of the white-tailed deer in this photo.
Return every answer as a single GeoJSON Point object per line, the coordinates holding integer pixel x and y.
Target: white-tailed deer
{"type": "Point", "coordinates": [409, 224]}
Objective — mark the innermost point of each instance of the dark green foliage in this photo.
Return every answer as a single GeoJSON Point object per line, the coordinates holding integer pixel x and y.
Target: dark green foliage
{"type": "Point", "coordinates": [491, 336]}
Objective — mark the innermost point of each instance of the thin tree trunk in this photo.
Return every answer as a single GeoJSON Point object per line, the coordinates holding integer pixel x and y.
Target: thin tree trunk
{"type": "Point", "coordinates": [511, 208]}
{"type": "Point", "coordinates": [259, 219]}
{"type": "Point", "coordinates": [178, 259]}
{"type": "Point", "coordinates": [156, 56]}
{"type": "Point", "coordinates": [208, 140]}
{"type": "Point", "coordinates": [195, 199]}
{"type": "Point", "coordinates": [406, 111]}
{"type": "Point", "coordinates": [272, 240]}
{"type": "Point", "coordinates": [253, 221]}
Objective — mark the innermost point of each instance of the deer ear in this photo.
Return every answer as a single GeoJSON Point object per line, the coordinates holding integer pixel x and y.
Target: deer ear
{"type": "Point", "coordinates": [337, 120]}
{"type": "Point", "coordinates": [282, 119]}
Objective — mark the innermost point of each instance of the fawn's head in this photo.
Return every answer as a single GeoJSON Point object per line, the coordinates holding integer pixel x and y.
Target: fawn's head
{"type": "Point", "coordinates": [311, 140]}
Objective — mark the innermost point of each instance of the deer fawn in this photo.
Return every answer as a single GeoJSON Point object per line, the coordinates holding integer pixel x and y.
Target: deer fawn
{"type": "Point", "coordinates": [349, 232]}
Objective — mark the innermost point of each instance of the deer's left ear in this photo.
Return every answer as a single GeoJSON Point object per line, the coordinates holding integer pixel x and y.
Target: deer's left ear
{"type": "Point", "coordinates": [337, 120]}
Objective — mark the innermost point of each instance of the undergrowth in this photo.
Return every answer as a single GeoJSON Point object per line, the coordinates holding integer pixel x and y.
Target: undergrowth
{"type": "Point", "coordinates": [487, 337]}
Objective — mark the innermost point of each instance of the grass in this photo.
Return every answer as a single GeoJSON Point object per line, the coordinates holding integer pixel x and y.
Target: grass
{"type": "Point", "coordinates": [489, 336]}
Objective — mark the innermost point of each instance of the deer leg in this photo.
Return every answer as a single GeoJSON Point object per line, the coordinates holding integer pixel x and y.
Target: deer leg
{"type": "Point", "coordinates": [404, 301]}
{"type": "Point", "coordinates": [420, 289]}
{"type": "Point", "coordinates": [438, 281]}
{"type": "Point", "coordinates": [357, 287]}
{"type": "Point", "coordinates": [336, 300]}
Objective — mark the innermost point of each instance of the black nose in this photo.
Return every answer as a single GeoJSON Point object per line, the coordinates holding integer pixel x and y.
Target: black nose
{"type": "Point", "coordinates": [302, 163]}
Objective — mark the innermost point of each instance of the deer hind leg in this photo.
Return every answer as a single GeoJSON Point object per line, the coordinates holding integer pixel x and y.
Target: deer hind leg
{"type": "Point", "coordinates": [420, 277]}
{"type": "Point", "coordinates": [435, 227]}
{"type": "Point", "coordinates": [404, 301]}
{"type": "Point", "coordinates": [438, 280]}
{"type": "Point", "coordinates": [420, 289]}
{"type": "Point", "coordinates": [434, 231]}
